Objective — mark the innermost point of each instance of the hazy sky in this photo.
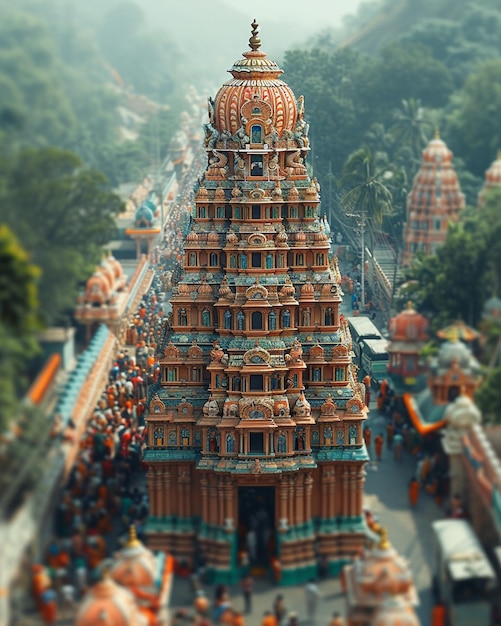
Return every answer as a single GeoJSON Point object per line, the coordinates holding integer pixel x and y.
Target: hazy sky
{"type": "Point", "coordinates": [312, 13]}
{"type": "Point", "coordinates": [212, 35]}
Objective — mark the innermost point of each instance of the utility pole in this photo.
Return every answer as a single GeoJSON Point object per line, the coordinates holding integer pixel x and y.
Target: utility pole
{"type": "Point", "coordinates": [361, 219]}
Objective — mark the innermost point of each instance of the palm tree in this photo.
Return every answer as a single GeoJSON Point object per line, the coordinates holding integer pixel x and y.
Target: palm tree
{"type": "Point", "coordinates": [410, 126]}
{"type": "Point", "coordinates": [363, 181]}
{"type": "Point", "coordinates": [366, 196]}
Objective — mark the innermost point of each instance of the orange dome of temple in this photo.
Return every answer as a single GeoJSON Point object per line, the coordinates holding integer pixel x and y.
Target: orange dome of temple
{"type": "Point", "coordinates": [383, 571]}
{"type": "Point", "coordinates": [256, 82]}
{"type": "Point", "coordinates": [109, 604]}
{"type": "Point", "coordinates": [394, 612]}
{"type": "Point", "coordinates": [409, 325]}
{"type": "Point", "coordinates": [135, 565]}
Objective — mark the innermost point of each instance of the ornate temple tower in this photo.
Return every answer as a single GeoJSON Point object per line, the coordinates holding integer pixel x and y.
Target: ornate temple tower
{"type": "Point", "coordinates": [492, 179]}
{"type": "Point", "coordinates": [255, 449]}
{"type": "Point", "coordinates": [434, 200]}
{"type": "Point", "coordinates": [408, 336]}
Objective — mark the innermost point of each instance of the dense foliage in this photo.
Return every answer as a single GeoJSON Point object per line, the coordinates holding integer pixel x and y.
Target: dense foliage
{"type": "Point", "coordinates": [18, 320]}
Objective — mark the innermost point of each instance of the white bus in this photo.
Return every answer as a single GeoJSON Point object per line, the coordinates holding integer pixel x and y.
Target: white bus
{"type": "Point", "coordinates": [464, 579]}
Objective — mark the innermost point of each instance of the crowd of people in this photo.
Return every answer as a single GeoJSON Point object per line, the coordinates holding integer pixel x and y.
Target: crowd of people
{"type": "Point", "coordinates": [101, 497]}
{"type": "Point", "coordinates": [222, 611]}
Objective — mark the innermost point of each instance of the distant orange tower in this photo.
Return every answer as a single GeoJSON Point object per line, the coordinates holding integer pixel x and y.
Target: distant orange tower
{"type": "Point", "coordinates": [434, 200]}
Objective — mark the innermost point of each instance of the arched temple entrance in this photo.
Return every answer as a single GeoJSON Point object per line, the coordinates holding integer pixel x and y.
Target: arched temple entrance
{"type": "Point", "coordinates": [256, 525]}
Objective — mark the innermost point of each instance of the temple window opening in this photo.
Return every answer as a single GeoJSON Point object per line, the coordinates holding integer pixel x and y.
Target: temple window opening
{"type": "Point", "coordinates": [340, 374]}
{"type": "Point", "coordinates": [256, 133]}
{"type": "Point", "coordinates": [257, 320]}
{"type": "Point", "coordinates": [256, 382]}
{"type": "Point", "coordinates": [256, 259]}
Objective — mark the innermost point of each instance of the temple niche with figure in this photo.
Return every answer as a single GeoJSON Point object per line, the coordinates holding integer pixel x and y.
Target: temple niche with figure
{"type": "Point", "coordinates": [255, 451]}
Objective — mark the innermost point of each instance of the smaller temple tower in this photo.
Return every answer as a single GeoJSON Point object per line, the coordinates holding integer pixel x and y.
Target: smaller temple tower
{"type": "Point", "coordinates": [378, 585]}
{"type": "Point", "coordinates": [492, 180]}
{"type": "Point", "coordinates": [434, 200]}
{"type": "Point", "coordinates": [146, 226]}
{"type": "Point", "coordinates": [408, 335]}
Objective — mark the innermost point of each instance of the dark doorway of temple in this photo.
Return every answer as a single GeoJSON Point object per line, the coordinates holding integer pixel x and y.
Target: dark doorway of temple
{"type": "Point", "coordinates": [256, 526]}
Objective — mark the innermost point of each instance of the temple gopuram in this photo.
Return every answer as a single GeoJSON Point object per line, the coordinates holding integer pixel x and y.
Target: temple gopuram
{"type": "Point", "coordinates": [255, 452]}
{"type": "Point", "coordinates": [434, 200]}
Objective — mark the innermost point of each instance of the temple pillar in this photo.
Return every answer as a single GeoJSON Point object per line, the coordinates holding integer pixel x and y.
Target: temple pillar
{"type": "Point", "coordinates": [345, 482]}
{"type": "Point", "coordinates": [212, 500]}
{"type": "Point", "coordinates": [291, 498]}
{"type": "Point", "coordinates": [158, 493]}
{"type": "Point", "coordinates": [360, 481]}
{"type": "Point", "coordinates": [328, 483]}
{"type": "Point", "coordinates": [151, 489]}
{"type": "Point", "coordinates": [299, 499]}
{"type": "Point", "coordinates": [284, 495]}
{"type": "Point", "coordinates": [229, 500]}
{"type": "Point", "coordinates": [166, 491]}
{"type": "Point", "coordinates": [184, 483]}
{"type": "Point", "coordinates": [221, 497]}
{"type": "Point", "coordinates": [204, 488]}
{"type": "Point", "coordinates": [308, 484]}
{"type": "Point", "coordinates": [272, 450]}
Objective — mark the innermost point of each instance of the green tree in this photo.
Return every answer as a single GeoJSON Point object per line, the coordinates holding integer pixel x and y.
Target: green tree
{"type": "Point", "coordinates": [409, 127]}
{"type": "Point", "coordinates": [19, 320]}
{"type": "Point", "coordinates": [488, 397]}
{"type": "Point", "coordinates": [455, 282]}
{"type": "Point", "coordinates": [474, 126]}
{"type": "Point", "coordinates": [62, 213]}
{"type": "Point", "coordinates": [364, 192]}
{"type": "Point", "coordinates": [399, 72]}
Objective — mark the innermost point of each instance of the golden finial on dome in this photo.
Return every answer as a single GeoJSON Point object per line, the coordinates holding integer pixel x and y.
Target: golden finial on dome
{"type": "Point", "coordinates": [384, 542]}
{"type": "Point", "coordinates": [409, 305]}
{"type": "Point", "coordinates": [437, 133]}
{"type": "Point", "coordinates": [254, 41]}
{"type": "Point", "coordinates": [499, 155]}
{"type": "Point", "coordinates": [133, 541]}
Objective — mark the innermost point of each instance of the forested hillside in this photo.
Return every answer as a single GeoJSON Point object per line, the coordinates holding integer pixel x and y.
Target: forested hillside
{"type": "Point", "coordinates": [441, 68]}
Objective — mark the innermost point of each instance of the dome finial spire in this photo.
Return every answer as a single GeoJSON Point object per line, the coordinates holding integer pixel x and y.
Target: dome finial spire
{"type": "Point", "coordinates": [254, 41]}
{"type": "Point", "coordinates": [437, 133]}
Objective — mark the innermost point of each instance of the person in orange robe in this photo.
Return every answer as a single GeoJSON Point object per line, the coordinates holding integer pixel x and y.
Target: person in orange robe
{"type": "Point", "coordinates": [438, 615]}
{"type": "Point", "coordinates": [378, 446]}
{"type": "Point", "coordinates": [413, 491]}
{"type": "Point", "coordinates": [367, 436]}
{"type": "Point", "coordinates": [390, 431]}
{"type": "Point", "coordinates": [269, 619]}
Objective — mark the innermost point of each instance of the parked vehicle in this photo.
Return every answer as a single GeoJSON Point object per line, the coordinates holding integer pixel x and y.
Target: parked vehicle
{"type": "Point", "coordinates": [464, 579]}
{"type": "Point", "coordinates": [370, 356]}
{"type": "Point", "coordinates": [374, 358]}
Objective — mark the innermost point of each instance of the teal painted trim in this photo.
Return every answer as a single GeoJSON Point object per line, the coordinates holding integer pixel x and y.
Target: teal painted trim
{"type": "Point", "coordinates": [233, 574]}
{"type": "Point", "coordinates": [352, 525]}
{"type": "Point", "coordinates": [342, 453]}
{"type": "Point", "coordinates": [327, 526]}
{"type": "Point", "coordinates": [169, 454]}
{"type": "Point", "coordinates": [172, 524]}
{"type": "Point", "coordinates": [335, 567]}
{"type": "Point", "coordinates": [298, 575]}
